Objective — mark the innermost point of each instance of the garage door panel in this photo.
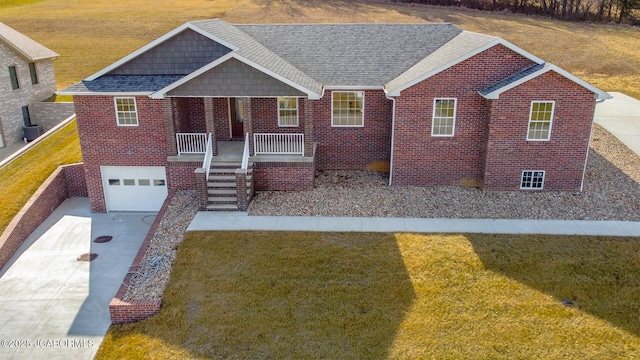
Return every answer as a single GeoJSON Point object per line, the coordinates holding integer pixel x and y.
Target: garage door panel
{"type": "Point", "coordinates": [134, 188]}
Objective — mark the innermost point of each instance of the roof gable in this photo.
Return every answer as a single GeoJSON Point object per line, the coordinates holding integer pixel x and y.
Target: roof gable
{"type": "Point", "coordinates": [493, 92]}
{"type": "Point", "coordinates": [24, 46]}
{"type": "Point", "coordinates": [181, 54]}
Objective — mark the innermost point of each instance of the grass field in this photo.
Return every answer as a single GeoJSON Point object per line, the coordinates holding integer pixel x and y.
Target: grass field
{"type": "Point", "coordinates": [257, 295]}
{"type": "Point", "coordinates": [91, 35]}
{"type": "Point", "coordinates": [23, 176]}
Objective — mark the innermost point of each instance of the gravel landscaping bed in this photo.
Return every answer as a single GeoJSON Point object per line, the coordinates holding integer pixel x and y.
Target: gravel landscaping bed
{"type": "Point", "coordinates": [165, 243]}
{"type": "Point", "coordinates": [611, 192]}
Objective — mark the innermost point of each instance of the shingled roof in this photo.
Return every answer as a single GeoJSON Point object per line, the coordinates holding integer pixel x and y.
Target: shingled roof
{"type": "Point", "coordinates": [23, 45]}
{"type": "Point", "coordinates": [307, 58]}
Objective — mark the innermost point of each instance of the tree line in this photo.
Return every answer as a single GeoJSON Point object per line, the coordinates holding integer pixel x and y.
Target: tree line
{"type": "Point", "coordinates": [620, 11]}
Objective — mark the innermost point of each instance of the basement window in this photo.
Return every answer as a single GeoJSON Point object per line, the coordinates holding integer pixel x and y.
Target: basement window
{"type": "Point", "coordinates": [532, 179]}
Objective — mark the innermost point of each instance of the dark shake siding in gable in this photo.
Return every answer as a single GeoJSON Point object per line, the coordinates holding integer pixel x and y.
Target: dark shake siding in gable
{"type": "Point", "coordinates": [179, 55]}
{"type": "Point", "coordinates": [234, 78]}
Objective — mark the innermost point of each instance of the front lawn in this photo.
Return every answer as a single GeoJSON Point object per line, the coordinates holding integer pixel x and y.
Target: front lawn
{"type": "Point", "coordinates": [255, 295]}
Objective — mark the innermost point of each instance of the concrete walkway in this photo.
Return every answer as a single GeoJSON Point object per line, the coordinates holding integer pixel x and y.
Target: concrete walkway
{"type": "Point", "coordinates": [621, 117]}
{"type": "Point", "coordinates": [240, 221]}
{"type": "Point", "coordinates": [55, 307]}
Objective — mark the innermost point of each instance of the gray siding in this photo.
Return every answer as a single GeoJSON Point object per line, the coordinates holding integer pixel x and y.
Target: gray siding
{"type": "Point", "coordinates": [233, 79]}
{"type": "Point", "coordinates": [12, 101]}
{"type": "Point", "coordinates": [179, 55]}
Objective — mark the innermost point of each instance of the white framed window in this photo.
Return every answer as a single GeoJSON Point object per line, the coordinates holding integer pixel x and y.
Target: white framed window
{"type": "Point", "coordinates": [444, 117]}
{"type": "Point", "coordinates": [347, 108]}
{"type": "Point", "coordinates": [287, 111]}
{"type": "Point", "coordinates": [540, 120]}
{"type": "Point", "coordinates": [126, 112]}
{"type": "Point", "coordinates": [532, 179]}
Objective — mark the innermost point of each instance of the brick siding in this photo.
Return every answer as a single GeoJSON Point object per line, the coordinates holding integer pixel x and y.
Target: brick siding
{"type": "Point", "coordinates": [423, 160]}
{"type": "Point", "coordinates": [66, 181]}
{"type": "Point", "coordinates": [104, 143]}
{"type": "Point", "coordinates": [562, 157]}
{"type": "Point", "coordinates": [284, 176]}
{"type": "Point", "coordinates": [355, 148]}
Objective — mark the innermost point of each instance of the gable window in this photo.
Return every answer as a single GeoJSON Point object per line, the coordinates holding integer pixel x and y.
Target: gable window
{"type": "Point", "coordinates": [13, 74]}
{"type": "Point", "coordinates": [540, 119]}
{"type": "Point", "coordinates": [33, 73]}
{"type": "Point", "coordinates": [26, 118]}
{"type": "Point", "coordinates": [444, 117]}
{"type": "Point", "coordinates": [532, 179]}
{"type": "Point", "coordinates": [287, 111]}
{"type": "Point", "coordinates": [126, 112]}
{"type": "Point", "coordinates": [347, 108]}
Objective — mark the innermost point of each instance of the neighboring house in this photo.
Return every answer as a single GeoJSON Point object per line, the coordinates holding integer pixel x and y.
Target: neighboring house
{"type": "Point", "coordinates": [26, 77]}
{"type": "Point", "coordinates": [435, 104]}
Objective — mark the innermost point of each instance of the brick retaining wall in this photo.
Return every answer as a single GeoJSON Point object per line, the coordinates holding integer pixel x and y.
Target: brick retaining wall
{"type": "Point", "coordinates": [66, 181]}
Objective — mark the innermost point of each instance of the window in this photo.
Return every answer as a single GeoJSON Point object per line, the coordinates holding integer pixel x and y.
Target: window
{"type": "Point", "coordinates": [33, 73]}
{"type": "Point", "coordinates": [158, 182]}
{"type": "Point", "coordinates": [347, 108]}
{"type": "Point", "coordinates": [128, 182]}
{"type": "Point", "coordinates": [540, 120]}
{"type": "Point", "coordinates": [126, 111]}
{"type": "Point", "coordinates": [444, 117]}
{"type": "Point", "coordinates": [13, 74]}
{"type": "Point", "coordinates": [26, 118]}
{"type": "Point", "coordinates": [287, 111]}
{"type": "Point", "coordinates": [532, 179]}
{"type": "Point", "coordinates": [144, 182]}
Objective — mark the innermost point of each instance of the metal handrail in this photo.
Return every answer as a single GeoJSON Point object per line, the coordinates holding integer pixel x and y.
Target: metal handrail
{"type": "Point", "coordinates": [245, 154]}
{"type": "Point", "coordinates": [208, 156]}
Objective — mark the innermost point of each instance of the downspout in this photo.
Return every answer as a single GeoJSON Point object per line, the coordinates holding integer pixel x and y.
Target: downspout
{"type": "Point", "coordinates": [586, 158]}
{"type": "Point", "coordinates": [393, 130]}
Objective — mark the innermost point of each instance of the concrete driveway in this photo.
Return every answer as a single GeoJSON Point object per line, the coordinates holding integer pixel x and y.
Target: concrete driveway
{"type": "Point", "coordinates": [621, 117]}
{"type": "Point", "coordinates": [53, 306]}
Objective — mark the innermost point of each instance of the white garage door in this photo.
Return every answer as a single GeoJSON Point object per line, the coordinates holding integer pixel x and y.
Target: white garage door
{"type": "Point", "coordinates": [134, 188]}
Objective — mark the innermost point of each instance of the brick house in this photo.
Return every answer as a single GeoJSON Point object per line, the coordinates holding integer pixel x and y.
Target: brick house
{"type": "Point", "coordinates": [227, 109]}
{"type": "Point", "coordinates": [26, 78]}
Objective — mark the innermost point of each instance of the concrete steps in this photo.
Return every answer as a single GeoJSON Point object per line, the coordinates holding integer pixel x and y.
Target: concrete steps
{"type": "Point", "coordinates": [221, 187]}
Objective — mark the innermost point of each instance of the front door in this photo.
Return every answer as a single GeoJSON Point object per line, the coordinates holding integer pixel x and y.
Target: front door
{"type": "Point", "coordinates": [236, 114]}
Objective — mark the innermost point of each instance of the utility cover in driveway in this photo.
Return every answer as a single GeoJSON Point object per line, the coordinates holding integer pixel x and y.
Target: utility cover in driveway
{"type": "Point", "coordinates": [134, 188]}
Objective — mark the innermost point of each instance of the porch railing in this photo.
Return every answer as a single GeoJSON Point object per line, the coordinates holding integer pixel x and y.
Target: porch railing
{"type": "Point", "coordinates": [245, 154]}
{"type": "Point", "coordinates": [191, 143]}
{"type": "Point", "coordinates": [208, 156]}
{"type": "Point", "coordinates": [278, 144]}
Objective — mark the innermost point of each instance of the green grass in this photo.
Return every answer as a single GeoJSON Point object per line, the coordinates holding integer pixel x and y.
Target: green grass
{"type": "Point", "coordinates": [23, 176]}
{"type": "Point", "coordinates": [361, 296]}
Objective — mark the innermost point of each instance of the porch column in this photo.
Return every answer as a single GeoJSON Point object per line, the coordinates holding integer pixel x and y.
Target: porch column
{"type": "Point", "coordinates": [248, 122]}
{"type": "Point", "coordinates": [309, 137]}
{"type": "Point", "coordinates": [210, 124]}
{"type": "Point", "coordinates": [169, 126]}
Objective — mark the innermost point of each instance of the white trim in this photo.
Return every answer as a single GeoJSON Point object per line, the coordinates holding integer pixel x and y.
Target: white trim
{"type": "Point", "coordinates": [532, 173]}
{"type": "Point", "coordinates": [362, 109]}
{"type": "Point", "coordinates": [433, 117]}
{"type": "Point", "coordinates": [600, 95]}
{"type": "Point", "coordinates": [553, 110]}
{"type": "Point", "coordinates": [498, 41]}
{"type": "Point", "coordinates": [161, 94]}
{"type": "Point", "coordinates": [135, 110]}
{"type": "Point", "coordinates": [157, 42]}
{"type": "Point", "coordinates": [296, 109]}
{"type": "Point", "coordinates": [353, 88]}
{"type": "Point", "coordinates": [393, 134]}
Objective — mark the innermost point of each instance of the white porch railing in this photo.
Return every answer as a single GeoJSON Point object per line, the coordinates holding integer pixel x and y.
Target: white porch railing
{"type": "Point", "coordinates": [208, 156]}
{"type": "Point", "coordinates": [278, 144]}
{"type": "Point", "coordinates": [191, 143]}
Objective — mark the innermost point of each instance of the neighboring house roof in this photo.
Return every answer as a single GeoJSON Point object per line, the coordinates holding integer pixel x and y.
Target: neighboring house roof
{"type": "Point", "coordinates": [23, 45]}
{"type": "Point", "coordinates": [303, 59]}
{"type": "Point", "coordinates": [493, 92]}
